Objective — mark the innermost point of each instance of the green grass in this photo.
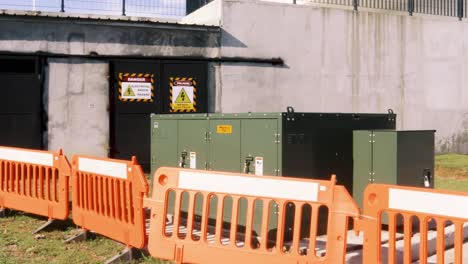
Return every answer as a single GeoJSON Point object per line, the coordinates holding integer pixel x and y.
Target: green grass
{"type": "Point", "coordinates": [451, 172]}
{"type": "Point", "coordinates": [451, 184]}
{"type": "Point", "coordinates": [18, 245]}
{"type": "Point", "coordinates": [452, 161]}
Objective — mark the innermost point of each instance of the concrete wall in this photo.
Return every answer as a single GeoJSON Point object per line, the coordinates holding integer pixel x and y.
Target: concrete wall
{"type": "Point", "coordinates": [83, 37]}
{"type": "Point", "coordinates": [76, 90]}
{"type": "Point", "coordinates": [77, 106]}
{"type": "Point", "coordinates": [344, 61]}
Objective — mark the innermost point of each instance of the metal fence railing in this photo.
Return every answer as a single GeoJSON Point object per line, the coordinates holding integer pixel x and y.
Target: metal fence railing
{"type": "Point", "coordinates": [178, 8]}
{"type": "Point", "coordinates": [452, 8]}
{"type": "Point", "coordinates": [144, 8]}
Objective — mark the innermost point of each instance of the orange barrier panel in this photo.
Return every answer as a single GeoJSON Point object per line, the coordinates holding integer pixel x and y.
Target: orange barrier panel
{"type": "Point", "coordinates": [34, 181]}
{"type": "Point", "coordinates": [108, 198]}
{"type": "Point", "coordinates": [411, 207]}
{"type": "Point", "coordinates": [191, 237]}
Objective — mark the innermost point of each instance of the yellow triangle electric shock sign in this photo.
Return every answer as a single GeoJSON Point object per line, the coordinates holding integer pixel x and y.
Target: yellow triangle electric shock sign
{"type": "Point", "coordinates": [129, 92]}
{"type": "Point", "coordinates": [182, 98]}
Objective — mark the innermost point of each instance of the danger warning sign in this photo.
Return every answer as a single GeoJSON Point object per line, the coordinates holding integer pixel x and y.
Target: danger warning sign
{"type": "Point", "coordinates": [183, 95]}
{"type": "Point", "coordinates": [136, 87]}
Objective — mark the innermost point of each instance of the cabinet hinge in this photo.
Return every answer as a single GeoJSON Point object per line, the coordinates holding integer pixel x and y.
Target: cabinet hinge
{"type": "Point", "coordinates": [207, 136]}
{"type": "Point", "coordinates": [277, 138]}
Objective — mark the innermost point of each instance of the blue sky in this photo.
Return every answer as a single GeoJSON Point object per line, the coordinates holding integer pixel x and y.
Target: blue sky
{"type": "Point", "coordinates": [157, 8]}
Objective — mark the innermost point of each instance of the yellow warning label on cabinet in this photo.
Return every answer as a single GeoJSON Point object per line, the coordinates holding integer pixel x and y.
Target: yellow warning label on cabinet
{"type": "Point", "coordinates": [224, 129]}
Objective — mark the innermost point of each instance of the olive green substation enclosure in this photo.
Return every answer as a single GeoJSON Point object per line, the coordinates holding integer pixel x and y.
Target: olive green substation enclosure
{"type": "Point", "coordinates": [306, 145]}
{"type": "Point", "coordinates": [247, 143]}
{"type": "Point", "coordinates": [289, 144]}
{"type": "Point", "coordinates": [392, 157]}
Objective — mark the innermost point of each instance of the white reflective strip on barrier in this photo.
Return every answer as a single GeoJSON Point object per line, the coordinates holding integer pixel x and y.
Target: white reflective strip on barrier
{"type": "Point", "coordinates": [429, 203]}
{"type": "Point", "coordinates": [284, 189]}
{"type": "Point", "coordinates": [45, 159]}
{"type": "Point", "coordinates": [102, 167]}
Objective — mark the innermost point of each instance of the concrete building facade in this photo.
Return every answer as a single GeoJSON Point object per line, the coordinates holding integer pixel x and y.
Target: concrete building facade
{"type": "Point", "coordinates": [335, 60]}
{"type": "Point", "coordinates": [339, 60]}
{"type": "Point", "coordinates": [77, 55]}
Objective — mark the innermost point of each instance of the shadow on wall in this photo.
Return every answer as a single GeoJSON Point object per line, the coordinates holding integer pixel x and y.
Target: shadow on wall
{"type": "Point", "coordinates": [228, 40]}
{"type": "Point", "coordinates": [104, 32]}
{"type": "Point", "coordinates": [458, 142]}
{"type": "Point", "coordinates": [256, 65]}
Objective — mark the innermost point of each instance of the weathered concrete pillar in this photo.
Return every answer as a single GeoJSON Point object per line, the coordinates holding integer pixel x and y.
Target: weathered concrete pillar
{"type": "Point", "coordinates": [77, 106]}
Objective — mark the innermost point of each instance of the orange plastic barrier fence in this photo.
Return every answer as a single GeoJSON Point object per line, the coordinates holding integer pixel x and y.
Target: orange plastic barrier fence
{"type": "Point", "coordinates": [229, 199]}
{"type": "Point", "coordinates": [417, 209]}
{"type": "Point", "coordinates": [108, 198]}
{"type": "Point", "coordinates": [34, 181]}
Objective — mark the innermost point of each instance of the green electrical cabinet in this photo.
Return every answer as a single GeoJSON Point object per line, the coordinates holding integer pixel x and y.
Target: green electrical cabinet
{"type": "Point", "coordinates": [228, 142]}
{"type": "Point", "coordinates": [233, 143]}
{"type": "Point", "coordinates": [307, 145]}
{"type": "Point", "coordinates": [392, 157]}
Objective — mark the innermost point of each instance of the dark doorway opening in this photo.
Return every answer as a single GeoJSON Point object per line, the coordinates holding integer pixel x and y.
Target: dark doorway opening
{"type": "Point", "coordinates": [21, 111]}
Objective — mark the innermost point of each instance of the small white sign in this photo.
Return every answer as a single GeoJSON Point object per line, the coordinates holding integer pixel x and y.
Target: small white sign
{"type": "Point", "coordinates": [136, 90]}
{"type": "Point", "coordinates": [259, 166]}
{"type": "Point", "coordinates": [193, 160]}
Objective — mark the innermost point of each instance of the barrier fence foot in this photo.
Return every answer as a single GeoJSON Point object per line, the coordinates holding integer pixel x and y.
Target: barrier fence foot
{"type": "Point", "coordinates": [128, 254]}
{"type": "Point", "coordinates": [81, 236]}
{"type": "Point", "coordinates": [2, 212]}
{"type": "Point", "coordinates": [42, 227]}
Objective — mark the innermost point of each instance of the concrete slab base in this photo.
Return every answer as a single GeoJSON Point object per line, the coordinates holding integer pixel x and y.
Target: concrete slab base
{"type": "Point", "coordinates": [355, 257]}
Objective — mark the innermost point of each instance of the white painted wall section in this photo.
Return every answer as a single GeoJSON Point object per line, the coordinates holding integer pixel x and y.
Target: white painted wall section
{"type": "Point", "coordinates": [338, 60]}
{"type": "Point", "coordinates": [77, 106]}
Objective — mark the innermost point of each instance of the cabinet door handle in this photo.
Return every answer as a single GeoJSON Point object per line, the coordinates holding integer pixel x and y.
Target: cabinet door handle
{"type": "Point", "coordinates": [183, 157]}
{"type": "Point", "coordinates": [248, 161]}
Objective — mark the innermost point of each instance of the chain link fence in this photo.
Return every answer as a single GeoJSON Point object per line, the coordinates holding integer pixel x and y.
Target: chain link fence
{"type": "Point", "coordinates": [144, 8]}
{"type": "Point", "coordinates": [452, 8]}
{"type": "Point", "coordinates": [178, 8]}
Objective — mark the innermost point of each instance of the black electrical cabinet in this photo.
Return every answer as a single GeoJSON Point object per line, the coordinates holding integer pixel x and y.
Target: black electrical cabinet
{"type": "Point", "coordinates": [317, 145]}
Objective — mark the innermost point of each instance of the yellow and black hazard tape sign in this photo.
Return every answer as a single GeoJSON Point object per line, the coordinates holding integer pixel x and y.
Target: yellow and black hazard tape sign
{"type": "Point", "coordinates": [182, 95]}
{"type": "Point", "coordinates": [139, 87]}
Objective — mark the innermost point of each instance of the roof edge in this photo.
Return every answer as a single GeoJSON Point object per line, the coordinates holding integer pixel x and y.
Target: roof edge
{"type": "Point", "coordinates": [99, 18]}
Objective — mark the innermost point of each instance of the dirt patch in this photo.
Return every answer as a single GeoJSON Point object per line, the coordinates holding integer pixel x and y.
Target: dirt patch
{"type": "Point", "coordinates": [452, 173]}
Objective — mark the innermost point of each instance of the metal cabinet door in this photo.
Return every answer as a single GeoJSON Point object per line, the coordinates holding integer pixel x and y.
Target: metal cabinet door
{"type": "Point", "coordinates": [362, 163]}
{"type": "Point", "coordinates": [20, 102]}
{"type": "Point", "coordinates": [192, 150]}
{"type": "Point", "coordinates": [130, 118]}
{"type": "Point", "coordinates": [259, 146]}
{"type": "Point", "coordinates": [384, 157]}
{"type": "Point", "coordinates": [415, 158]}
{"type": "Point", "coordinates": [259, 155]}
{"type": "Point", "coordinates": [163, 143]}
{"type": "Point", "coordinates": [225, 145]}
